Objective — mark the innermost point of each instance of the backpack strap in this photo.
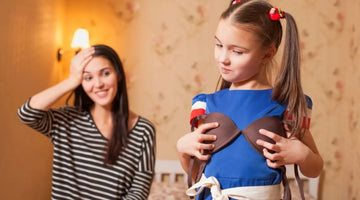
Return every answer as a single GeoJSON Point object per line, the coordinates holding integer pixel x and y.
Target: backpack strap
{"type": "Point", "coordinates": [229, 132]}
{"type": "Point", "coordinates": [226, 132]}
{"type": "Point", "coordinates": [299, 182]}
{"type": "Point", "coordinates": [194, 124]}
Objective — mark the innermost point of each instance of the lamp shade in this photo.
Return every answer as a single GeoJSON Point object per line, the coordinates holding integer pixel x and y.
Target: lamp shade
{"type": "Point", "coordinates": [80, 39]}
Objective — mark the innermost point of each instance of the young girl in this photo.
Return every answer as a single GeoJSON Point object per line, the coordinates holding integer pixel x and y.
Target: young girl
{"type": "Point", "coordinates": [101, 149]}
{"type": "Point", "coordinates": [247, 38]}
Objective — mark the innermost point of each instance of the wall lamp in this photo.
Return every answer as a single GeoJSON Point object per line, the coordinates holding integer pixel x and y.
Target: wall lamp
{"type": "Point", "coordinates": [79, 41]}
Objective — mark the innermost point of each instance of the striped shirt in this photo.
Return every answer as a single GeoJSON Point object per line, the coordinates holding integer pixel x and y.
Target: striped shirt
{"type": "Point", "coordinates": [78, 160]}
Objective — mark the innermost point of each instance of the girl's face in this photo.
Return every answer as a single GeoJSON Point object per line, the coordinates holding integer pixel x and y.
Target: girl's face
{"type": "Point", "coordinates": [100, 81]}
{"type": "Point", "coordinates": [240, 57]}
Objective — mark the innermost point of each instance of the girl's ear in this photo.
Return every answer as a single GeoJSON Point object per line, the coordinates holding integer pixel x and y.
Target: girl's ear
{"type": "Point", "coordinates": [269, 54]}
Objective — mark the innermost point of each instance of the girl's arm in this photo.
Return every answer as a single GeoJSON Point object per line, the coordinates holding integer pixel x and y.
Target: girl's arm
{"type": "Point", "coordinates": [293, 151]}
{"type": "Point", "coordinates": [192, 144]}
{"type": "Point", "coordinates": [46, 98]}
{"type": "Point", "coordinates": [312, 163]}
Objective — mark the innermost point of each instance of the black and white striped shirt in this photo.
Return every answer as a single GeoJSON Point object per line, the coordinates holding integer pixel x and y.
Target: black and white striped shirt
{"type": "Point", "coordinates": [78, 161]}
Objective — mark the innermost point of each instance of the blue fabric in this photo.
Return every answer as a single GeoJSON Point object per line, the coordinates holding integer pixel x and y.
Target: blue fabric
{"type": "Point", "coordinates": [239, 164]}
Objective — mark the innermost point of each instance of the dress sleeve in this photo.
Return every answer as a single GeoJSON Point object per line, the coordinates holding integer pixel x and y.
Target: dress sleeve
{"type": "Point", "coordinates": [307, 119]}
{"type": "Point", "coordinates": [143, 177]}
{"type": "Point", "coordinates": [198, 106]}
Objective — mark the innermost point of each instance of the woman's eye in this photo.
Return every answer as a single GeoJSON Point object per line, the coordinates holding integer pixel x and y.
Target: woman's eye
{"type": "Point", "coordinates": [87, 78]}
{"type": "Point", "coordinates": [218, 45]}
{"type": "Point", "coordinates": [106, 73]}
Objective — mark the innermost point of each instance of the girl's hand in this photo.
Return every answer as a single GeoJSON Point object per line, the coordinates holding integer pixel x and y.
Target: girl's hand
{"type": "Point", "coordinates": [192, 144]}
{"type": "Point", "coordinates": [286, 150]}
{"type": "Point", "coordinates": [79, 62]}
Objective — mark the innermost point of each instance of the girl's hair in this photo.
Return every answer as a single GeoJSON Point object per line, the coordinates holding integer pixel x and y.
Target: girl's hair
{"type": "Point", "coordinates": [120, 106]}
{"type": "Point", "coordinates": [254, 15]}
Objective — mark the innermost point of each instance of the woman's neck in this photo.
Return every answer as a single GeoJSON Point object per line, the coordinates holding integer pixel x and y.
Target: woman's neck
{"type": "Point", "coordinates": [101, 114]}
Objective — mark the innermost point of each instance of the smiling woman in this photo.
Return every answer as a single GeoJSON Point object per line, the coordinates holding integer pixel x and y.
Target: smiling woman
{"type": "Point", "coordinates": [102, 150]}
{"type": "Point", "coordinates": [99, 81]}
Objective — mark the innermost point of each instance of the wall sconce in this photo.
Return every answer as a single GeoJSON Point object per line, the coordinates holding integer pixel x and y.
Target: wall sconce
{"type": "Point", "coordinates": [79, 41]}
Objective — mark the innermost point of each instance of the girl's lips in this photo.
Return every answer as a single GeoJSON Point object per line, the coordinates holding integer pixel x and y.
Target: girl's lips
{"type": "Point", "coordinates": [224, 70]}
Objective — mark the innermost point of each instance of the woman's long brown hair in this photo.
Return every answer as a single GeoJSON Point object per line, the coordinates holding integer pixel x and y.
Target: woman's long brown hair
{"type": "Point", "coordinates": [120, 105]}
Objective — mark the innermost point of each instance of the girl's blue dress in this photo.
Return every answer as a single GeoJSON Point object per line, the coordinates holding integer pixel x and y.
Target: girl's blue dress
{"type": "Point", "coordinates": [239, 164]}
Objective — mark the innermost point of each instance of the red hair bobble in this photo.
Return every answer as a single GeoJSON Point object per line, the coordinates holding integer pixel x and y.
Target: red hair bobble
{"type": "Point", "coordinates": [236, 1]}
{"type": "Point", "coordinates": [276, 14]}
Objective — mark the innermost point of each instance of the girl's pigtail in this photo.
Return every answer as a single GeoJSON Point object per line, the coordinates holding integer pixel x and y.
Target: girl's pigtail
{"type": "Point", "coordinates": [287, 88]}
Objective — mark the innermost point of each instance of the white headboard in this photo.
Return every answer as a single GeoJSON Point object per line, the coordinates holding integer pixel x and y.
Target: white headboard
{"type": "Point", "coordinates": [173, 169]}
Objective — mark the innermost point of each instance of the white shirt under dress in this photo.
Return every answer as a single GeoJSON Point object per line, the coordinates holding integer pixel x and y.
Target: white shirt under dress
{"type": "Point", "coordinates": [78, 161]}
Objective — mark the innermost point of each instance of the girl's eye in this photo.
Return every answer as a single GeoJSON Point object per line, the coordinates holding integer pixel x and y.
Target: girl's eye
{"type": "Point", "coordinates": [218, 45]}
{"type": "Point", "coordinates": [238, 52]}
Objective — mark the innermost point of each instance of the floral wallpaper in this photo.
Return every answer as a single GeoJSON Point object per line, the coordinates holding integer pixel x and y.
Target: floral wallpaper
{"type": "Point", "coordinates": [167, 48]}
{"type": "Point", "coordinates": [167, 51]}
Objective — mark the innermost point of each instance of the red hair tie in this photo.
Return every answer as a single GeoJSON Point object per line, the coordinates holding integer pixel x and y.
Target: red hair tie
{"type": "Point", "coordinates": [236, 1]}
{"type": "Point", "coordinates": [276, 14]}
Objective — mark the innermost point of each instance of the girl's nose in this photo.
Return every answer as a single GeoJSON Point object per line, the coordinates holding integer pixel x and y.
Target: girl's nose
{"type": "Point", "coordinates": [224, 57]}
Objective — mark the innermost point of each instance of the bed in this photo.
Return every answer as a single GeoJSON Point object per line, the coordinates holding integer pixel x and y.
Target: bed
{"type": "Point", "coordinates": [170, 183]}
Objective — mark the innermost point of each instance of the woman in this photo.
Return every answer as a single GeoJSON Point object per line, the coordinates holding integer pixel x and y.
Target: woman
{"type": "Point", "coordinates": [101, 149]}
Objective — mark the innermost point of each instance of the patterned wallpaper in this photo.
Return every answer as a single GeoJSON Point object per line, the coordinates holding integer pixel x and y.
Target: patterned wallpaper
{"type": "Point", "coordinates": [330, 49]}
{"type": "Point", "coordinates": [167, 48]}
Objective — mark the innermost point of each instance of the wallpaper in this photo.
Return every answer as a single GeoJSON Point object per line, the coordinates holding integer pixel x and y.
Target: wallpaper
{"type": "Point", "coordinates": [167, 48]}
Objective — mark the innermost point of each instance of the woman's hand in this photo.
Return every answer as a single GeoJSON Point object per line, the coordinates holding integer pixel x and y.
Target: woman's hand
{"type": "Point", "coordinates": [46, 98]}
{"type": "Point", "coordinates": [285, 150]}
{"type": "Point", "coordinates": [78, 64]}
{"type": "Point", "coordinates": [192, 144]}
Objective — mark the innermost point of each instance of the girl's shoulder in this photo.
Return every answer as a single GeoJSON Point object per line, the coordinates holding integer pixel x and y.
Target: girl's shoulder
{"type": "Point", "coordinates": [203, 96]}
{"type": "Point", "coordinates": [199, 97]}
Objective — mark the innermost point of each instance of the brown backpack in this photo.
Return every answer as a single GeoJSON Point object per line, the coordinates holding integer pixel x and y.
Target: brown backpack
{"type": "Point", "coordinates": [227, 131]}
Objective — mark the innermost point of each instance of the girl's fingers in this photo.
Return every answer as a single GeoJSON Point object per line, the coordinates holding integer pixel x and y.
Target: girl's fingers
{"type": "Point", "coordinates": [207, 146]}
{"type": "Point", "coordinates": [272, 156]}
{"type": "Point", "coordinates": [204, 127]}
{"type": "Point", "coordinates": [201, 147]}
{"type": "Point", "coordinates": [205, 137]}
{"type": "Point", "coordinates": [270, 135]}
{"type": "Point", "coordinates": [267, 145]}
{"type": "Point", "coordinates": [273, 164]}
{"type": "Point", "coordinates": [203, 157]}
